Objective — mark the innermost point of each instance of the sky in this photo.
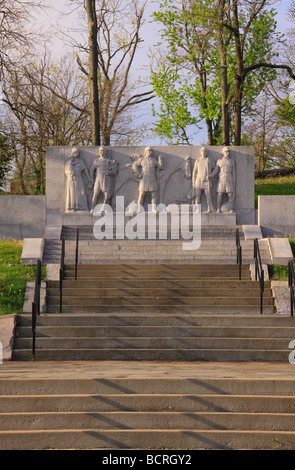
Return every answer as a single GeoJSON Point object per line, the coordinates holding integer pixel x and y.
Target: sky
{"type": "Point", "coordinates": [55, 21]}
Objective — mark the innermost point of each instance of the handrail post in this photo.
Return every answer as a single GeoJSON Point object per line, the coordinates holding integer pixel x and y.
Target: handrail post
{"type": "Point", "coordinates": [240, 263]}
{"type": "Point", "coordinates": [255, 259]}
{"type": "Point", "coordinates": [77, 253]}
{"type": "Point", "coordinates": [259, 271]}
{"type": "Point", "coordinates": [36, 305]}
{"type": "Point", "coordinates": [261, 291]}
{"type": "Point", "coordinates": [291, 282]}
{"type": "Point", "coordinates": [34, 330]}
{"type": "Point", "coordinates": [61, 273]}
{"type": "Point", "coordinates": [239, 253]}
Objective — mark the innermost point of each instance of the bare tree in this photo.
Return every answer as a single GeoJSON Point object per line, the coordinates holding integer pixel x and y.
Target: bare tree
{"type": "Point", "coordinates": [114, 33]}
{"type": "Point", "coordinates": [46, 104]}
{"type": "Point", "coordinates": [16, 28]}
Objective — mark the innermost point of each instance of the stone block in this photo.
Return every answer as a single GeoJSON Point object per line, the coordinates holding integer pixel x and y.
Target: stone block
{"type": "Point", "coordinates": [277, 213]}
{"type": "Point", "coordinates": [22, 216]}
{"type": "Point", "coordinates": [29, 297]}
{"type": "Point", "coordinates": [252, 231]}
{"type": "Point", "coordinates": [52, 233]}
{"type": "Point", "coordinates": [280, 250]}
{"type": "Point", "coordinates": [281, 293]}
{"type": "Point", "coordinates": [33, 249]}
{"type": "Point", "coordinates": [7, 325]}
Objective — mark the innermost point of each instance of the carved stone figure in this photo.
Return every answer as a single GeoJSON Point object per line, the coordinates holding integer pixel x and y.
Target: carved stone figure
{"type": "Point", "coordinates": [146, 168]}
{"type": "Point", "coordinates": [102, 171]}
{"type": "Point", "coordinates": [226, 182]}
{"type": "Point", "coordinates": [202, 169]}
{"type": "Point", "coordinates": [76, 197]}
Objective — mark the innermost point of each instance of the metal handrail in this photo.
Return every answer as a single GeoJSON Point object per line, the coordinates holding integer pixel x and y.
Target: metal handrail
{"type": "Point", "coordinates": [259, 271]}
{"type": "Point", "coordinates": [36, 306]}
{"type": "Point", "coordinates": [61, 273]}
{"type": "Point", "coordinates": [77, 253]}
{"type": "Point", "coordinates": [239, 253]}
{"type": "Point", "coordinates": [291, 282]}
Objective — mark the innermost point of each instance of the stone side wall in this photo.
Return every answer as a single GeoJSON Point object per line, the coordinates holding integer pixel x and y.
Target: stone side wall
{"type": "Point", "coordinates": [277, 214]}
{"type": "Point", "coordinates": [22, 216]}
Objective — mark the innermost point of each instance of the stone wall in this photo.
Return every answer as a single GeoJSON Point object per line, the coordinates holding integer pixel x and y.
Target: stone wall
{"type": "Point", "coordinates": [277, 214]}
{"type": "Point", "coordinates": [22, 216]}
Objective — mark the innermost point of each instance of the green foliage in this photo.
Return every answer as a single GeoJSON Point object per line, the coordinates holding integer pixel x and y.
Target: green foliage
{"type": "Point", "coordinates": [13, 277]}
{"type": "Point", "coordinates": [188, 79]}
{"type": "Point", "coordinates": [174, 115]}
{"type": "Point", "coordinates": [286, 113]}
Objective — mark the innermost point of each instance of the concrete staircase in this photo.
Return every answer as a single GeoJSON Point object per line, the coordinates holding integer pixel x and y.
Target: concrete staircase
{"type": "Point", "coordinates": [185, 412]}
{"type": "Point", "coordinates": [157, 313]}
{"type": "Point", "coordinates": [217, 246]}
{"type": "Point", "coordinates": [145, 353]}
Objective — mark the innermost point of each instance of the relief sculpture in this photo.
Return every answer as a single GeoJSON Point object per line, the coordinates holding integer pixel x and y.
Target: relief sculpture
{"type": "Point", "coordinates": [146, 168]}
{"type": "Point", "coordinates": [102, 172]}
{"type": "Point", "coordinates": [225, 169]}
{"type": "Point", "coordinates": [76, 196]}
{"type": "Point", "coordinates": [183, 179]}
{"type": "Point", "coordinates": [203, 168]}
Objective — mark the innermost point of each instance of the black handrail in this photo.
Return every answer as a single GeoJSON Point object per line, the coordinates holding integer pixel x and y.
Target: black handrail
{"type": "Point", "coordinates": [61, 273]}
{"type": "Point", "coordinates": [77, 253]}
{"type": "Point", "coordinates": [36, 306]}
{"type": "Point", "coordinates": [239, 253]}
{"type": "Point", "coordinates": [259, 271]}
{"type": "Point", "coordinates": [291, 277]}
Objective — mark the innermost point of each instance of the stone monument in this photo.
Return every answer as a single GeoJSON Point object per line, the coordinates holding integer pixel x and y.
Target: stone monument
{"type": "Point", "coordinates": [220, 179]}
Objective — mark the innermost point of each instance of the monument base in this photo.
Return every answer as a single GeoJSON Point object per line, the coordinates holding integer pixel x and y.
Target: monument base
{"type": "Point", "coordinates": [214, 218]}
{"type": "Point", "coordinates": [160, 221]}
{"type": "Point", "coordinates": [84, 218]}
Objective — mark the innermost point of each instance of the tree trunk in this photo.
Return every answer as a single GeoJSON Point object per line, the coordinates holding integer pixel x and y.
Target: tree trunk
{"type": "Point", "coordinates": [223, 75]}
{"type": "Point", "coordinates": [93, 70]}
{"type": "Point", "coordinates": [238, 93]}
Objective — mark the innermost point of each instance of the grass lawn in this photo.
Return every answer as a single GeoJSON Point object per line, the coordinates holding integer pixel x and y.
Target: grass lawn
{"type": "Point", "coordinates": [13, 276]}
{"type": "Point", "coordinates": [278, 272]}
{"type": "Point", "coordinates": [283, 185]}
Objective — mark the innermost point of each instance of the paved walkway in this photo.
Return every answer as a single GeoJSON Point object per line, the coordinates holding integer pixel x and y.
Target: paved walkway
{"type": "Point", "coordinates": [117, 369]}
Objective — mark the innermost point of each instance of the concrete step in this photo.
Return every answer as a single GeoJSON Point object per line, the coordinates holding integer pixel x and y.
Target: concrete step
{"type": "Point", "coordinates": [130, 420]}
{"type": "Point", "coordinates": [178, 343]}
{"type": "Point", "coordinates": [133, 301]}
{"type": "Point", "coordinates": [163, 309]}
{"type": "Point", "coordinates": [156, 292]}
{"type": "Point", "coordinates": [281, 323]}
{"type": "Point", "coordinates": [187, 274]}
{"type": "Point", "coordinates": [147, 333]}
{"type": "Point", "coordinates": [110, 412]}
{"type": "Point", "coordinates": [147, 439]}
{"type": "Point", "coordinates": [186, 355]}
{"type": "Point", "coordinates": [33, 383]}
{"type": "Point", "coordinates": [144, 283]}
